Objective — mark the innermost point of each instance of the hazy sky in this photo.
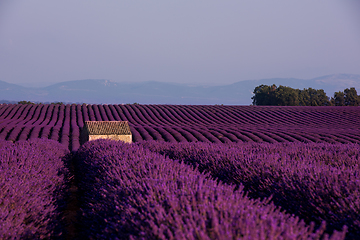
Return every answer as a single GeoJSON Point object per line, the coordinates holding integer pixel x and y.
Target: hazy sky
{"type": "Point", "coordinates": [183, 41]}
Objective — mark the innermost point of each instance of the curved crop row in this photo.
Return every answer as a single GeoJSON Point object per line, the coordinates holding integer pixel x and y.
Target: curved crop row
{"type": "Point", "coordinates": [182, 123]}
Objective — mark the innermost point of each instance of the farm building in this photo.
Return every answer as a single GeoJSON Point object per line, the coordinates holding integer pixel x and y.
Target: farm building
{"type": "Point", "coordinates": [115, 130]}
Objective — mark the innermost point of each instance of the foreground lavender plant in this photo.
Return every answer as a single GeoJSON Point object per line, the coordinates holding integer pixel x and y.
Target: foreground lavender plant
{"type": "Point", "coordinates": [32, 178]}
{"type": "Point", "coordinates": [317, 182]}
{"type": "Point", "coordinates": [128, 192]}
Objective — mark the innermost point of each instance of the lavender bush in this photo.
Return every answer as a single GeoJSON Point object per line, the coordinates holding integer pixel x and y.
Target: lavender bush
{"type": "Point", "coordinates": [318, 182]}
{"type": "Point", "coordinates": [128, 192]}
{"type": "Point", "coordinates": [32, 181]}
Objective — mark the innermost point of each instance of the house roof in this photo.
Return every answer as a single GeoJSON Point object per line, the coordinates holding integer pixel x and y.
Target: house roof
{"type": "Point", "coordinates": [107, 127]}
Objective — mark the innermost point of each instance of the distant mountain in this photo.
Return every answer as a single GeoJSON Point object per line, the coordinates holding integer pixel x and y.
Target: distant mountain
{"type": "Point", "coordinates": [105, 91]}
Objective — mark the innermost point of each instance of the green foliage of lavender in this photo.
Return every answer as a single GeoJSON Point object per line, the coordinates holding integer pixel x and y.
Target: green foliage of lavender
{"type": "Point", "coordinates": [32, 181]}
{"type": "Point", "coordinates": [128, 192]}
{"type": "Point", "coordinates": [317, 182]}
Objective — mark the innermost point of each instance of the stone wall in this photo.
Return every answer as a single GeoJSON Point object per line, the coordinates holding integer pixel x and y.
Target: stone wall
{"type": "Point", "coordinates": [124, 138]}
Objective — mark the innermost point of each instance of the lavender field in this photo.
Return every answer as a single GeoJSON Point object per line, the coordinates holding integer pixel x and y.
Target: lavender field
{"type": "Point", "coordinates": [184, 123]}
{"type": "Point", "coordinates": [193, 172]}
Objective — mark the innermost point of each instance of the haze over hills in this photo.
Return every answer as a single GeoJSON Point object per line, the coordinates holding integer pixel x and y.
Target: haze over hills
{"type": "Point", "coordinates": [152, 92]}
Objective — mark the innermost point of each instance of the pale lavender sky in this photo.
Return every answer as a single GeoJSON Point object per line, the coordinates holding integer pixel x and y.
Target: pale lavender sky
{"type": "Point", "coordinates": [185, 41]}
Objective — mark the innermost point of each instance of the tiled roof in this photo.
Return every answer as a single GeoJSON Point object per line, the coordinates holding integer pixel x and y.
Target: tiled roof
{"type": "Point", "coordinates": [107, 127]}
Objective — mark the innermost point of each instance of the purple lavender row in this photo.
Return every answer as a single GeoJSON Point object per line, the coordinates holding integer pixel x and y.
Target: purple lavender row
{"type": "Point", "coordinates": [7, 124]}
{"type": "Point", "coordinates": [25, 117]}
{"type": "Point", "coordinates": [128, 192]}
{"type": "Point", "coordinates": [221, 115]}
{"type": "Point", "coordinates": [318, 182]}
{"type": "Point", "coordinates": [48, 128]}
{"type": "Point", "coordinates": [32, 182]}
{"type": "Point", "coordinates": [76, 122]}
{"type": "Point", "coordinates": [10, 110]}
{"type": "Point", "coordinates": [4, 108]}
{"type": "Point", "coordinates": [37, 121]}
{"type": "Point", "coordinates": [187, 123]}
{"type": "Point", "coordinates": [109, 113]}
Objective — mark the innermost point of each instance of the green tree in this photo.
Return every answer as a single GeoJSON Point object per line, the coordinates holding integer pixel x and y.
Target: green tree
{"type": "Point", "coordinates": [351, 98]}
{"type": "Point", "coordinates": [25, 102]}
{"type": "Point", "coordinates": [339, 99]}
{"type": "Point", "coordinates": [287, 96]}
{"type": "Point", "coordinates": [264, 95]}
{"type": "Point", "coordinates": [318, 97]}
{"type": "Point", "coordinates": [313, 97]}
{"type": "Point", "coordinates": [304, 97]}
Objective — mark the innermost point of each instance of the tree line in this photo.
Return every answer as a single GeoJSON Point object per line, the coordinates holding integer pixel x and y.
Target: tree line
{"type": "Point", "coordinates": [29, 102]}
{"type": "Point", "coordinates": [287, 96]}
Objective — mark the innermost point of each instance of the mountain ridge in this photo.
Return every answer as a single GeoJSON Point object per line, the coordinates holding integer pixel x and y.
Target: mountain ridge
{"type": "Point", "coordinates": [102, 91]}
